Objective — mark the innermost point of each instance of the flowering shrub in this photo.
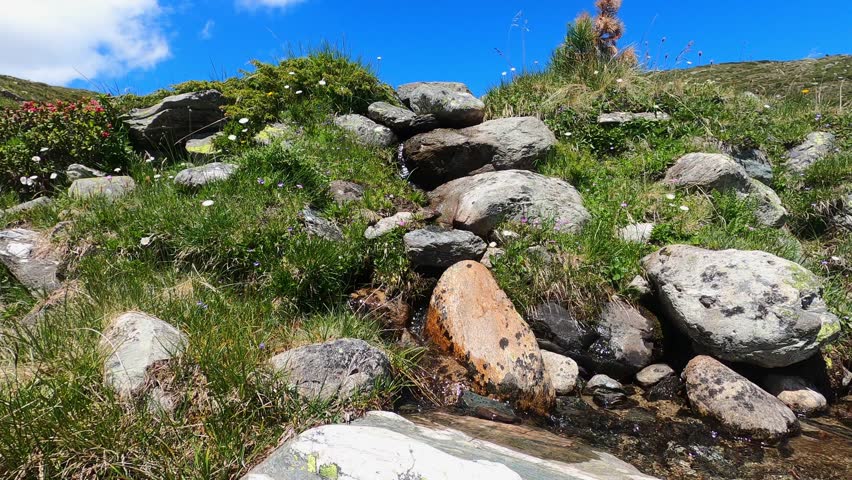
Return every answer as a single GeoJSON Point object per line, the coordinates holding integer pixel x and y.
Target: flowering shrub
{"type": "Point", "coordinates": [39, 140]}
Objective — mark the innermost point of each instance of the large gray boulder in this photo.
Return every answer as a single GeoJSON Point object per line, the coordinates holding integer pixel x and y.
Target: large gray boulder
{"type": "Point", "coordinates": [754, 161]}
{"type": "Point", "coordinates": [31, 259]}
{"type": "Point", "coordinates": [338, 368]}
{"type": "Point", "coordinates": [628, 339]}
{"type": "Point", "coordinates": [402, 121]}
{"type": "Point", "coordinates": [110, 188]}
{"type": "Point", "coordinates": [175, 118]}
{"type": "Point", "coordinates": [195, 177]}
{"type": "Point", "coordinates": [708, 171]}
{"type": "Point", "coordinates": [815, 147]}
{"type": "Point", "coordinates": [366, 131]}
{"type": "Point", "coordinates": [740, 406]}
{"type": "Point", "coordinates": [743, 306]}
{"type": "Point", "coordinates": [385, 446]}
{"type": "Point", "coordinates": [441, 248]}
{"type": "Point", "coordinates": [450, 103]}
{"type": "Point", "coordinates": [132, 343]}
{"type": "Point", "coordinates": [480, 202]}
{"type": "Point", "coordinates": [506, 143]}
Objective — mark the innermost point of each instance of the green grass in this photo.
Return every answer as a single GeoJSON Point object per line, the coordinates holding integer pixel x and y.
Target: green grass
{"type": "Point", "coordinates": [14, 90]}
{"type": "Point", "coordinates": [244, 279]}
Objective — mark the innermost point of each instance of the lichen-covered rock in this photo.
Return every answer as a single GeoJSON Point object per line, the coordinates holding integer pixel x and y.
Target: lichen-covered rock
{"type": "Point", "coordinates": [743, 306]}
{"type": "Point", "coordinates": [110, 188]}
{"type": "Point", "coordinates": [201, 148]}
{"type": "Point", "coordinates": [366, 131]}
{"type": "Point", "coordinates": [29, 205]}
{"type": "Point", "coordinates": [796, 392]}
{"type": "Point", "coordinates": [742, 407]}
{"type": "Point", "coordinates": [319, 226]}
{"type": "Point", "coordinates": [31, 259]}
{"type": "Point", "coordinates": [440, 248]}
{"type": "Point", "coordinates": [403, 122]}
{"type": "Point", "coordinates": [195, 177]}
{"type": "Point", "coordinates": [385, 446]}
{"type": "Point", "coordinates": [479, 203]}
{"type": "Point", "coordinates": [175, 118]}
{"type": "Point", "coordinates": [815, 147]}
{"type": "Point", "coordinates": [275, 133]}
{"type": "Point", "coordinates": [471, 318]}
{"type": "Point", "coordinates": [337, 368]}
{"type": "Point", "coordinates": [451, 104]}
{"type": "Point", "coordinates": [133, 342]}
{"type": "Point", "coordinates": [770, 211]}
{"type": "Point", "coordinates": [506, 143]}
{"type": "Point", "coordinates": [562, 370]}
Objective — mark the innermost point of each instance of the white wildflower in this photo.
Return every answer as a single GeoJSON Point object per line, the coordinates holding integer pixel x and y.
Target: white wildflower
{"type": "Point", "coordinates": [232, 137]}
{"type": "Point", "coordinates": [207, 203]}
{"type": "Point", "coordinates": [670, 196]}
{"type": "Point", "coordinates": [322, 83]}
{"type": "Point", "coordinates": [298, 92]}
{"type": "Point", "coordinates": [244, 121]}
{"type": "Point", "coordinates": [157, 176]}
{"type": "Point", "coordinates": [53, 176]}
{"type": "Point", "coordinates": [684, 208]}
{"type": "Point", "coordinates": [44, 149]}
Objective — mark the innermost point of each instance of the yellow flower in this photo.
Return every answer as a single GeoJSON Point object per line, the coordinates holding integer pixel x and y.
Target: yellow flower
{"type": "Point", "coordinates": [270, 94]}
{"type": "Point", "coordinates": [806, 91]}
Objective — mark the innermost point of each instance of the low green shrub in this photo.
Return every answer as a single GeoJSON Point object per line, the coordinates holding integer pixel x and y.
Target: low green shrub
{"type": "Point", "coordinates": [39, 140]}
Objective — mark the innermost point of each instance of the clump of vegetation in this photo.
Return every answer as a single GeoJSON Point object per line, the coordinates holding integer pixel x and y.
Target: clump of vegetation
{"type": "Point", "coordinates": [39, 140]}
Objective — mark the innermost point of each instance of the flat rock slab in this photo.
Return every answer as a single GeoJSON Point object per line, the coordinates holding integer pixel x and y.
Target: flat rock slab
{"type": "Point", "coordinates": [388, 224]}
{"type": "Point", "coordinates": [196, 177]}
{"type": "Point", "coordinates": [385, 446]}
{"type": "Point", "coordinates": [31, 259]}
{"type": "Point", "coordinates": [652, 374]}
{"type": "Point", "coordinates": [504, 144]}
{"type": "Point", "coordinates": [133, 342]}
{"type": "Point", "coordinates": [742, 407]}
{"type": "Point", "coordinates": [472, 319]}
{"type": "Point", "coordinates": [338, 368]}
{"type": "Point", "coordinates": [175, 118]}
{"type": "Point", "coordinates": [110, 188]}
{"type": "Point", "coordinates": [450, 103]}
{"type": "Point", "coordinates": [627, 117]}
{"type": "Point", "coordinates": [30, 205]}
{"type": "Point", "coordinates": [479, 203]}
{"type": "Point", "coordinates": [743, 306]}
{"type": "Point", "coordinates": [402, 121]}
{"type": "Point", "coordinates": [366, 131]}
{"type": "Point", "coordinates": [815, 147]}
{"type": "Point", "coordinates": [441, 248]}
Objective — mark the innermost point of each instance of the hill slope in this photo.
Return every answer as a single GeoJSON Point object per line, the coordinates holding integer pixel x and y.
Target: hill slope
{"type": "Point", "coordinates": [824, 77]}
{"type": "Point", "coordinates": [13, 90]}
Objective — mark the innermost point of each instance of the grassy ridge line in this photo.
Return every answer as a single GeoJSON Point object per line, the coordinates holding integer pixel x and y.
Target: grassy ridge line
{"type": "Point", "coordinates": [826, 78]}
{"type": "Point", "coordinates": [14, 90]}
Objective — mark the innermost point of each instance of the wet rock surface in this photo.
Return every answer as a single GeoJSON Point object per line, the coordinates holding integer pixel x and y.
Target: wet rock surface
{"type": "Point", "coordinates": [739, 405]}
{"type": "Point", "coordinates": [797, 393]}
{"type": "Point", "coordinates": [562, 370]}
{"type": "Point", "coordinates": [471, 318]}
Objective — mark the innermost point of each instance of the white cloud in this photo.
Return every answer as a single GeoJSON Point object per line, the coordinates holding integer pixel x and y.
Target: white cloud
{"type": "Point", "coordinates": [57, 41]}
{"type": "Point", "coordinates": [207, 32]}
{"type": "Point", "coordinates": [255, 4]}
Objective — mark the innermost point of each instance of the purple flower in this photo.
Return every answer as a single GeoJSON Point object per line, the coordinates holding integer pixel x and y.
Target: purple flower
{"type": "Point", "coordinates": [201, 305]}
{"type": "Point", "coordinates": [261, 346]}
{"type": "Point", "coordinates": [261, 181]}
{"type": "Point", "coordinates": [623, 204]}
{"type": "Point", "coordinates": [256, 264]}
{"type": "Point", "coordinates": [524, 220]}
{"type": "Point", "coordinates": [824, 262]}
{"type": "Point", "coordinates": [280, 184]}
{"type": "Point", "coordinates": [299, 186]}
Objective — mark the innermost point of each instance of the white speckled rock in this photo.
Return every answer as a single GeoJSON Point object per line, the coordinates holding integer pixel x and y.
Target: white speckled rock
{"type": "Point", "coordinates": [563, 371]}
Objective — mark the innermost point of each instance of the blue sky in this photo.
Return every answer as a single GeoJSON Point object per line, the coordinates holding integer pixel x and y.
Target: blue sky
{"type": "Point", "coordinates": [142, 45]}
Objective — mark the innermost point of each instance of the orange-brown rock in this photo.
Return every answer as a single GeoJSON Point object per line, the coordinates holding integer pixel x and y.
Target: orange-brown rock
{"type": "Point", "coordinates": [471, 318]}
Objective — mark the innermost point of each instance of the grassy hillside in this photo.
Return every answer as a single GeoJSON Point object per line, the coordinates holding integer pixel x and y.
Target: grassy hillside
{"type": "Point", "coordinates": [825, 78]}
{"type": "Point", "coordinates": [14, 90]}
